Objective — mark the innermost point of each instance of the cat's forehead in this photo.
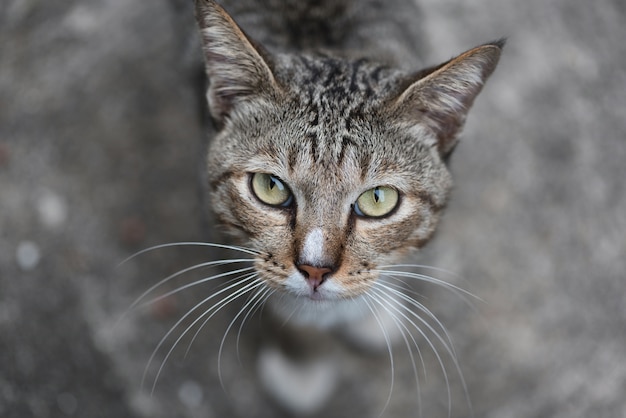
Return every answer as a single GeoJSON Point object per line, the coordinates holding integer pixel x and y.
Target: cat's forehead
{"type": "Point", "coordinates": [331, 127]}
{"type": "Point", "coordinates": [334, 84]}
{"type": "Point", "coordinates": [335, 113]}
{"type": "Point", "coordinates": [347, 159]}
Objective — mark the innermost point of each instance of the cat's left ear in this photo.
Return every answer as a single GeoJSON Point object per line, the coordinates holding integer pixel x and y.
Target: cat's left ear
{"type": "Point", "coordinates": [237, 69]}
{"type": "Point", "coordinates": [441, 96]}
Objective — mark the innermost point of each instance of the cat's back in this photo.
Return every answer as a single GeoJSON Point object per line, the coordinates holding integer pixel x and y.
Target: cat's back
{"type": "Point", "coordinates": [385, 30]}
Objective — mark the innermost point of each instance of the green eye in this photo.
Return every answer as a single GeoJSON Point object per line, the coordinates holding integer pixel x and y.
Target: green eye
{"type": "Point", "coordinates": [271, 190]}
{"type": "Point", "coordinates": [376, 202]}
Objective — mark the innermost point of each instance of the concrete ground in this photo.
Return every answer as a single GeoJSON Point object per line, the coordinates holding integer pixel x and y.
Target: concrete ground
{"type": "Point", "coordinates": [101, 154]}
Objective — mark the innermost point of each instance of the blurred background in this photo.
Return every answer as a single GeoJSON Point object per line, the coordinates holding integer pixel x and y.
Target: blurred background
{"type": "Point", "coordinates": [102, 152]}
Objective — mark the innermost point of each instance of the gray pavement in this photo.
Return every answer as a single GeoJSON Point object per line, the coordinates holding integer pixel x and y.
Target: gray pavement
{"type": "Point", "coordinates": [101, 154]}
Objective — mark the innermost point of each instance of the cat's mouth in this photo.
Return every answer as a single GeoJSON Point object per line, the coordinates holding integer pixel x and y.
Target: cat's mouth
{"type": "Point", "coordinates": [303, 286]}
{"type": "Point", "coordinates": [317, 295]}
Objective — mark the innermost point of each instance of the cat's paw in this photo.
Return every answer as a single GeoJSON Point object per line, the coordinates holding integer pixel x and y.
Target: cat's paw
{"type": "Point", "coordinates": [301, 388]}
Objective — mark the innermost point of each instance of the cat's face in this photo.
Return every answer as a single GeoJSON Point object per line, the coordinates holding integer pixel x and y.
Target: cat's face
{"type": "Point", "coordinates": [326, 177]}
{"type": "Point", "coordinates": [329, 168]}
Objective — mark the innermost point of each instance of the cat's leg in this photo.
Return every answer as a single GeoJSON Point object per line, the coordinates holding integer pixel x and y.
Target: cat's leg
{"type": "Point", "coordinates": [296, 368]}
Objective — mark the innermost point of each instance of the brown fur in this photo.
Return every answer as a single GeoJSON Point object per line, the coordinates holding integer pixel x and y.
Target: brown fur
{"type": "Point", "coordinates": [329, 128]}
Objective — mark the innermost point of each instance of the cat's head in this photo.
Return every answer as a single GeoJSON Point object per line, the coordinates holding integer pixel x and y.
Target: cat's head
{"type": "Point", "coordinates": [330, 168]}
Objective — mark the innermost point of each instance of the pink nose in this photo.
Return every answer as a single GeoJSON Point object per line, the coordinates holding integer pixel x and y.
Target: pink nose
{"type": "Point", "coordinates": [314, 275]}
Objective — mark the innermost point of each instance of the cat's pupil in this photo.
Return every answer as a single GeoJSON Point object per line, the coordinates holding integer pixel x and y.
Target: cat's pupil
{"type": "Point", "coordinates": [273, 182]}
{"type": "Point", "coordinates": [378, 195]}
{"type": "Point", "coordinates": [270, 190]}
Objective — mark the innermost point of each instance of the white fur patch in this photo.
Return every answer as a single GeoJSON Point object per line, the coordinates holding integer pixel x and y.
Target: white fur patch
{"type": "Point", "coordinates": [300, 388]}
{"type": "Point", "coordinates": [313, 250]}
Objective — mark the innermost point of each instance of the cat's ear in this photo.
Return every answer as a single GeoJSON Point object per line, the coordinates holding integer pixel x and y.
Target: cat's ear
{"type": "Point", "coordinates": [237, 69]}
{"type": "Point", "coordinates": [441, 96]}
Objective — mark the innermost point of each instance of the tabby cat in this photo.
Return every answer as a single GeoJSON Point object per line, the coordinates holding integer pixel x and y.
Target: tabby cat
{"type": "Point", "coordinates": [329, 164]}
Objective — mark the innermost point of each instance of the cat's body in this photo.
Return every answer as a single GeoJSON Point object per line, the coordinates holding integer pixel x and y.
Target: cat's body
{"type": "Point", "coordinates": [383, 31]}
{"type": "Point", "coordinates": [329, 166]}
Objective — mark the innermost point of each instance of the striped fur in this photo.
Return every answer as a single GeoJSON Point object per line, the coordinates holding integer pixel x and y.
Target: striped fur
{"type": "Point", "coordinates": [329, 126]}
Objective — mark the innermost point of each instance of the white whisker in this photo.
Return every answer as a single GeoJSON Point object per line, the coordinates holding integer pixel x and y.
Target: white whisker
{"type": "Point", "coordinates": [459, 291]}
{"type": "Point", "coordinates": [428, 341]}
{"type": "Point", "coordinates": [252, 302]}
{"type": "Point", "coordinates": [195, 335]}
{"type": "Point", "coordinates": [402, 286]}
{"type": "Point", "coordinates": [404, 330]}
{"type": "Point", "coordinates": [215, 308]}
{"type": "Point", "coordinates": [179, 273]}
{"type": "Point", "coordinates": [191, 243]}
{"type": "Point", "coordinates": [374, 311]}
{"type": "Point", "coordinates": [390, 300]}
{"type": "Point", "coordinates": [423, 267]}
{"type": "Point", "coordinates": [195, 283]}
{"type": "Point", "coordinates": [192, 310]}
{"type": "Point", "coordinates": [260, 302]}
{"type": "Point", "coordinates": [449, 345]}
{"type": "Point", "coordinates": [293, 312]}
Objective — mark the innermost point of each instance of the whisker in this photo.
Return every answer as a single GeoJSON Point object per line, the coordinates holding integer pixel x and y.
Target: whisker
{"type": "Point", "coordinates": [401, 285]}
{"type": "Point", "coordinates": [459, 291]}
{"type": "Point", "coordinates": [191, 243]}
{"type": "Point", "coordinates": [293, 312]}
{"type": "Point", "coordinates": [260, 302]}
{"type": "Point", "coordinates": [375, 314]}
{"type": "Point", "coordinates": [189, 312]}
{"type": "Point", "coordinates": [449, 346]}
{"type": "Point", "coordinates": [179, 273]}
{"type": "Point", "coordinates": [225, 301]}
{"type": "Point", "coordinates": [428, 341]}
{"type": "Point", "coordinates": [195, 283]}
{"type": "Point", "coordinates": [423, 267]}
{"type": "Point", "coordinates": [421, 307]}
{"type": "Point", "coordinates": [404, 330]}
{"type": "Point", "coordinates": [217, 307]}
{"type": "Point", "coordinates": [253, 301]}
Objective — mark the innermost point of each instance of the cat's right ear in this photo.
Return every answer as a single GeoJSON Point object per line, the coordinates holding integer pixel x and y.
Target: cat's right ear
{"type": "Point", "coordinates": [440, 97]}
{"type": "Point", "coordinates": [237, 69]}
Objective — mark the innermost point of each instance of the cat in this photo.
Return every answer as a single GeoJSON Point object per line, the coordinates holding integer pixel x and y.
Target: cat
{"type": "Point", "coordinates": [329, 164]}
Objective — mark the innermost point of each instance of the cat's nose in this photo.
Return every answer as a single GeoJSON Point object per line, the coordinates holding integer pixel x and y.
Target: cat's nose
{"type": "Point", "coordinates": [314, 275]}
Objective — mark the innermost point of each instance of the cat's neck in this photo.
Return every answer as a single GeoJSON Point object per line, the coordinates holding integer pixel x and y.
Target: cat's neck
{"type": "Point", "coordinates": [382, 30]}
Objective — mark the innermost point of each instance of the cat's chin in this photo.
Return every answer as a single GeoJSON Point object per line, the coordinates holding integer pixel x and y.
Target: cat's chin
{"type": "Point", "coordinates": [318, 296]}
{"type": "Point", "coordinates": [317, 309]}
{"type": "Point", "coordinates": [321, 295]}
{"type": "Point", "coordinates": [331, 291]}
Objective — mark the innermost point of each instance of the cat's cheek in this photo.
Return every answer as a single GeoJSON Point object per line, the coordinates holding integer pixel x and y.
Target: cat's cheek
{"type": "Point", "coordinates": [356, 283]}
{"type": "Point", "coordinates": [238, 209]}
{"type": "Point", "coordinates": [384, 242]}
{"type": "Point", "coordinates": [425, 229]}
{"type": "Point", "coordinates": [379, 237]}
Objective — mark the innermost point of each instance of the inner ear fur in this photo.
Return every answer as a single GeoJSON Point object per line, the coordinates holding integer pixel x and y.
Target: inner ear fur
{"type": "Point", "coordinates": [441, 96]}
{"type": "Point", "coordinates": [237, 68]}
